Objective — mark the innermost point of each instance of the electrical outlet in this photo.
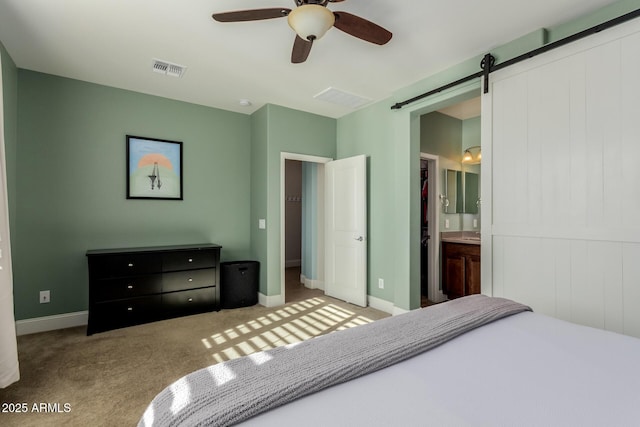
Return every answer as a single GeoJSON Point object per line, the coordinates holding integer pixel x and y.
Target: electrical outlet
{"type": "Point", "coordinates": [45, 297]}
{"type": "Point", "coordinates": [262, 224]}
{"type": "Point", "coordinates": [475, 223]}
{"type": "Point", "coordinates": [381, 283]}
{"type": "Point", "coordinates": [446, 223]}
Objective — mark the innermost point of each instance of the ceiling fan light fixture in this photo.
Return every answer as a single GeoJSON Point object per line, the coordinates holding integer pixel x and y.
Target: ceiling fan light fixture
{"type": "Point", "coordinates": [311, 21]}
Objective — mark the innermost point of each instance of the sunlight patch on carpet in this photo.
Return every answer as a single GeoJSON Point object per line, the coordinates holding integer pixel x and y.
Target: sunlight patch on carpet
{"type": "Point", "coordinates": [286, 326]}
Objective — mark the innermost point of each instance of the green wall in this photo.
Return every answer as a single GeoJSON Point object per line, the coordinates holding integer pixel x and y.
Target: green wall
{"type": "Point", "coordinates": [275, 130]}
{"type": "Point", "coordinates": [471, 132]}
{"type": "Point", "coordinates": [310, 238]}
{"type": "Point", "coordinates": [355, 136]}
{"type": "Point", "coordinates": [259, 190]}
{"type": "Point", "coordinates": [441, 135]}
{"type": "Point", "coordinates": [70, 183]}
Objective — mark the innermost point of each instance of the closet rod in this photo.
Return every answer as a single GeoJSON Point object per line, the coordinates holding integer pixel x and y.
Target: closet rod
{"type": "Point", "coordinates": [489, 58]}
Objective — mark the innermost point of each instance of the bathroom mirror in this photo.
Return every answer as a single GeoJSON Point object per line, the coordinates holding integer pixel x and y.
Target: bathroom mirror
{"type": "Point", "coordinates": [471, 193]}
{"type": "Point", "coordinates": [462, 192]}
{"type": "Point", "coordinates": [453, 192]}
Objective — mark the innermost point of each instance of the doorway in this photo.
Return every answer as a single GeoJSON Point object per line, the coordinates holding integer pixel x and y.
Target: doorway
{"type": "Point", "coordinates": [430, 292]}
{"type": "Point", "coordinates": [342, 264]}
{"type": "Point", "coordinates": [445, 134]}
{"type": "Point", "coordinates": [301, 192]}
{"type": "Point", "coordinates": [300, 231]}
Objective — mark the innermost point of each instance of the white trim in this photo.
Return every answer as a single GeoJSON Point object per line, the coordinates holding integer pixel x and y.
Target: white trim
{"type": "Point", "coordinates": [398, 310]}
{"type": "Point", "coordinates": [284, 156]}
{"type": "Point", "coordinates": [270, 301]}
{"type": "Point", "coordinates": [311, 283]}
{"type": "Point", "coordinates": [51, 323]}
{"type": "Point", "coordinates": [381, 304]}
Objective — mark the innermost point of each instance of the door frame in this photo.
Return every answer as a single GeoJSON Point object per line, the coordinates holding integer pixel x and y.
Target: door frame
{"type": "Point", "coordinates": [284, 156]}
{"type": "Point", "coordinates": [433, 279]}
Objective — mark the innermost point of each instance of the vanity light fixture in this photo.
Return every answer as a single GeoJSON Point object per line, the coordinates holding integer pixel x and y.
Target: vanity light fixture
{"type": "Point", "coordinates": [472, 155]}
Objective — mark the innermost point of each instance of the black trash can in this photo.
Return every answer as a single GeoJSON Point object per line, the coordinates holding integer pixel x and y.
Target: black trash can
{"type": "Point", "coordinates": [239, 283]}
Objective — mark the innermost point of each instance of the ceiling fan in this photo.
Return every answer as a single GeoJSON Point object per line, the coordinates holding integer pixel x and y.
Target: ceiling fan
{"type": "Point", "coordinates": [310, 20]}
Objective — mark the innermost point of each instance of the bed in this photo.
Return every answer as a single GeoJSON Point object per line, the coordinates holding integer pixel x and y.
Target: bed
{"type": "Point", "coordinates": [474, 361]}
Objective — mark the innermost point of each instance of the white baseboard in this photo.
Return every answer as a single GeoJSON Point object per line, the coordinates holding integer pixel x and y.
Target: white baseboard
{"type": "Point", "coordinates": [51, 323]}
{"type": "Point", "coordinates": [270, 301]}
{"type": "Point", "coordinates": [380, 304]}
{"type": "Point", "coordinates": [398, 310]}
{"type": "Point", "coordinates": [311, 283]}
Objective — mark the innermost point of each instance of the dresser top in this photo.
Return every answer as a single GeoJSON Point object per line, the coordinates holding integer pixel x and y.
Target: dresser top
{"type": "Point", "coordinates": [170, 248]}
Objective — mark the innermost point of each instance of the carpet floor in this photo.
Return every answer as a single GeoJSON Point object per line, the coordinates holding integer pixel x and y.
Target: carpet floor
{"type": "Point", "coordinates": [108, 379]}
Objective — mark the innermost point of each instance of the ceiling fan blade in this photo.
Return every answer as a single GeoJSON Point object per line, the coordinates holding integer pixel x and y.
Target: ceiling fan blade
{"type": "Point", "coordinates": [301, 49]}
{"type": "Point", "coordinates": [251, 15]}
{"type": "Point", "coordinates": [361, 28]}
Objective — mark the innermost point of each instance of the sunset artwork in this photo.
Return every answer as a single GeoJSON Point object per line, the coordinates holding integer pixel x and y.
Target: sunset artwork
{"type": "Point", "coordinates": [154, 169]}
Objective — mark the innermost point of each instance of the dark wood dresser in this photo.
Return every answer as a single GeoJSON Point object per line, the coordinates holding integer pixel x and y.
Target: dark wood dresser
{"type": "Point", "coordinates": [140, 285]}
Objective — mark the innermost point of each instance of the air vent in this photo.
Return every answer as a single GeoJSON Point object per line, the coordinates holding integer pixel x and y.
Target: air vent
{"type": "Point", "coordinates": [168, 68]}
{"type": "Point", "coordinates": [340, 97]}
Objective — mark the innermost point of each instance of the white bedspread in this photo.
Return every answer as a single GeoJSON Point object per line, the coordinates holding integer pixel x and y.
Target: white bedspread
{"type": "Point", "coordinates": [524, 370]}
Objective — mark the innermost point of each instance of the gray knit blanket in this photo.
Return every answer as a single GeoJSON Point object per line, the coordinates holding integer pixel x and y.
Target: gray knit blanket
{"type": "Point", "coordinates": [230, 392]}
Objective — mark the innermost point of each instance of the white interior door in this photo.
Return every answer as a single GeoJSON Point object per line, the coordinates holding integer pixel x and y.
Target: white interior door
{"type": "Point", "coordinates": [345, 228]}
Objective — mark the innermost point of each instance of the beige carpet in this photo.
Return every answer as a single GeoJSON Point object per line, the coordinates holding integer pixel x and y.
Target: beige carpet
{"type": "Point", "coordinates": [108, 379]}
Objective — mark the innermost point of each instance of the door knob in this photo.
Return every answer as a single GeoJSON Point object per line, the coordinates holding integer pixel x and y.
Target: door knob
{"type": "Point", "coordinates": [360, 239]}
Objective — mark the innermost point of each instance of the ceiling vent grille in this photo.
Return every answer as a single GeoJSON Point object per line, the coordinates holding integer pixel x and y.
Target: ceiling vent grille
{"type": "Point", "coordinates": [168, 68]}
{"type": "Point", "coordinates": [340, 97]}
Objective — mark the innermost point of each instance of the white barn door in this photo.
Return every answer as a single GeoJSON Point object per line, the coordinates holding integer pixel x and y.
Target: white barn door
{"type": "Point", "coordinates": [345, 228]}
{"type": "Point", "coordinates": [560, 150]}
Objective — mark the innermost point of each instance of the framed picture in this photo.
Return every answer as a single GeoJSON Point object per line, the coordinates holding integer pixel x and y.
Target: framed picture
{"type": "Point", "coordinates": [154, 168]}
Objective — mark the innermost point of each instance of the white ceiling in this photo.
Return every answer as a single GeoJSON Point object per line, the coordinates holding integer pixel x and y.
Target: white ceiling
{"type": "Point", "coordinates": [464, 110]}
{"type": "Point", "coordinates": [113, 42]}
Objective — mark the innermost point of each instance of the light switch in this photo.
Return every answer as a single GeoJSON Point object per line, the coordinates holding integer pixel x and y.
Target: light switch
{"type": "Point", "coordinates": [262, 224]}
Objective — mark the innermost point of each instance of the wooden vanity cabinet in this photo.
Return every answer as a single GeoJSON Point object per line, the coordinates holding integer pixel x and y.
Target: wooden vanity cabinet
{"type": "Point", "coordinates": [460, 269]}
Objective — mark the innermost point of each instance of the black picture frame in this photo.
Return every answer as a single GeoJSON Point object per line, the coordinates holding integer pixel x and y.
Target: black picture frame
{"type": "Point", "coordinates": [154, 168]}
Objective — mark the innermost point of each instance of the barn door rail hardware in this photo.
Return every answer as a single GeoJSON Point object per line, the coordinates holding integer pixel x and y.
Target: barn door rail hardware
{"type": "Point", "coordinates": [488, 64]}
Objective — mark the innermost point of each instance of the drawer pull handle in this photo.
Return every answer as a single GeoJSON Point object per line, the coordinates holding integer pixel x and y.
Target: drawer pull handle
{"type": "Point", "coordinates": [190, 259]}
{"type": "Point", "coordinates": [190, 279]}
{"type": "Point", "coordinates": [190, 299]}
{"type": "Point", "coordinates": [129, 308]}
{"type": "Point", "coordinates": [130, 287]}
{"type": "Point", "coordinates": [130, 264]}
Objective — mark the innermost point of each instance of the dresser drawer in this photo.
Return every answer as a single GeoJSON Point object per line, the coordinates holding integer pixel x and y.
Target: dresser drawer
{"type": "Point", "coordinates": [187, 302]}
{"type": "Point", "coordinates": [182, 280]}
{"type": "Point", "coordinates": [187, 260]}
{"type": "Point", "coordinates": [125, 265]}
{"type": "Point", "coordinates": [121, 313]}
{"type": "Point", "coordinates": [126, 287]}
